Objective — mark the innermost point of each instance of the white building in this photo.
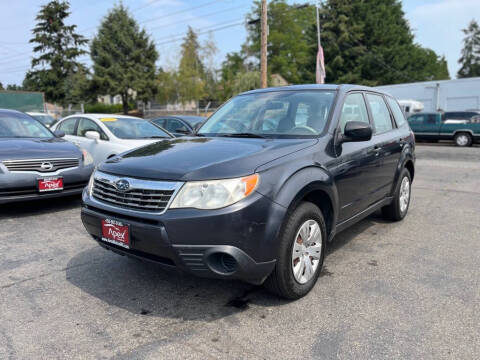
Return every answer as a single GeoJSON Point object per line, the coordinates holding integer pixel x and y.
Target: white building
{"type": "Point", "coordinates": [446, 95]}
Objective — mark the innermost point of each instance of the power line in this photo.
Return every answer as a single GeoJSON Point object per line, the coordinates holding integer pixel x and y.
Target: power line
{"type": "Point", "coordinates": [201, 33]}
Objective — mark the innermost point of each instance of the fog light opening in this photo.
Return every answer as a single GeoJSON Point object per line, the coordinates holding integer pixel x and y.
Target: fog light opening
{"type": "Point", "coordinates": [222, 263]}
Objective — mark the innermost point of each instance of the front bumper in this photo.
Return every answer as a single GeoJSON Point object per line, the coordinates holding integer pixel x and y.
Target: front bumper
{"type": "Point", "coordinates": [22, 186]}
{"type": "Point", "coordinates": [236, 242]}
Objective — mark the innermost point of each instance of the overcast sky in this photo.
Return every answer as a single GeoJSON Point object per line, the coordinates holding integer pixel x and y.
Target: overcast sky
{"type": "Point", "coordinates": [437, 25]}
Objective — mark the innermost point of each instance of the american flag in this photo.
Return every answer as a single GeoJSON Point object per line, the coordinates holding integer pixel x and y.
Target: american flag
{"type": "Point", "coordinates": [320, 72]}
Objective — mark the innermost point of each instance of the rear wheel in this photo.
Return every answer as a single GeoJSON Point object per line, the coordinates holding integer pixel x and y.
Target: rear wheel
{"type": "Point", "coordinates": [463, 139]}
{"type": "Point", "coordinates": [301, 253]}
{"type": "Point", "coordinates": [398, 208]}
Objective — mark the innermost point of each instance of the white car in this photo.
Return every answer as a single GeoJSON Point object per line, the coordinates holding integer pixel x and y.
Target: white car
{"type": "Point", "coordinates": [106, 135]}
{"type": "Point", "coordinates": [44, 118]}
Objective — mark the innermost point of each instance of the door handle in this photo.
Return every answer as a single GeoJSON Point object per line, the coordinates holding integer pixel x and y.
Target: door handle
{"type": "Point", "coordinates": [376, 150]}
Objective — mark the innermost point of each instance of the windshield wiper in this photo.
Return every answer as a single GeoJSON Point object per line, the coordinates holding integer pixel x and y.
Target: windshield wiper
{"type": "Point", "coordinates": [244, 135]}
{"type": "Point", "coordinates": [155, 137]}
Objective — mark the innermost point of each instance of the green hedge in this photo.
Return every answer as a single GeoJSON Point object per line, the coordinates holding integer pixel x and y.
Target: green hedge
{"type": "Point", "coordinates": [106, 108]}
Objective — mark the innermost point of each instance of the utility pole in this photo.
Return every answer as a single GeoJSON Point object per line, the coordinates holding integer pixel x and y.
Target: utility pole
{"type": "Point", "coordinates": [263, 46]}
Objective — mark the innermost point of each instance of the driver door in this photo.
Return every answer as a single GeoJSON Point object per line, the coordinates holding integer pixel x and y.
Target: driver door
{"type": "Point", "coordinates": [99, 149]}
{"type": "Point", "coordinates": [354, 167]}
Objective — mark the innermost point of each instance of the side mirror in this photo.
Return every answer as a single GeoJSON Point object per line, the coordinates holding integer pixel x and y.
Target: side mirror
{"type": "Point", "coordinates": [357, 131]}
{"type": "Point", "coordinates": [59, 133]}
{"type": "Point", "coordinates": [94, 135]}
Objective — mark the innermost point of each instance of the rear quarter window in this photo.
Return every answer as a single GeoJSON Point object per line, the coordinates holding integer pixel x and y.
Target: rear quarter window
{"type": "Point", "coordinates": [397, 112]}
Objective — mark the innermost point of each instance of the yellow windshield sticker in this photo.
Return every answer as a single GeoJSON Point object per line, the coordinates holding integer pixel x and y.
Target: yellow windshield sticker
{"type": "Point", "coordinates": [108, 119]}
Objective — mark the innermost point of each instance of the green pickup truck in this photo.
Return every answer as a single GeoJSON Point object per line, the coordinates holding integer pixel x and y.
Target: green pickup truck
{"type": "Point", "coordinates": [461, 127]}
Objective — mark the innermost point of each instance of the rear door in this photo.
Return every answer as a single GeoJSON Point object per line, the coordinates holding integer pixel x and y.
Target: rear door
{"type": "Point", "coordinates": [388, 141]}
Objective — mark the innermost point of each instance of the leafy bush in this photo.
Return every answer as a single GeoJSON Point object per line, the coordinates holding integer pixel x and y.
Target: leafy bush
{"type": "Point", "coordinates": [106, 108]}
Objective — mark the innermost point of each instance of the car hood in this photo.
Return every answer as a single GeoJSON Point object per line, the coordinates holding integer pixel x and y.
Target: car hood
{"type": "Point", "coordinates": [185, 159]}
{"type": "Point", "coordinates": [25, 148]}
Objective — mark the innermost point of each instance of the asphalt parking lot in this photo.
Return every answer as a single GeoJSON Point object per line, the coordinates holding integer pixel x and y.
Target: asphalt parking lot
{"type": "Point", "coordinates": [388, 290]}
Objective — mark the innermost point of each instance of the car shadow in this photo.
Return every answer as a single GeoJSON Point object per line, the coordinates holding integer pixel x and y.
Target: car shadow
{"type": "Point", "coordinates": [43, 206]}
{"type": "Point", "coordinates": [146, 288]}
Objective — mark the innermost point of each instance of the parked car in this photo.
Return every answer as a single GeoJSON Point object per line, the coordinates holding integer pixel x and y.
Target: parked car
{"type": "Point", "coordinates": [244, 201]}
{"type": "Point", "coordinates": [461, 127]}
{"type": "Point", "coordinates": [106, 135]}
{"type": "Point", "coordinates": [37, 164]}
{"type": "Point", "coordinates": [44, 118]}
{"type": "Point", "coordinates": [179, 125]}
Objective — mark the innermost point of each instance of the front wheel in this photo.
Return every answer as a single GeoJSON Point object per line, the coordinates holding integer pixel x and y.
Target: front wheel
{"type": "Point", "coordinates": [398, 208]}
{"type": "Point", "coordinates": [301, 252]}
{"type": "Point", "coordinates": [463, 139]}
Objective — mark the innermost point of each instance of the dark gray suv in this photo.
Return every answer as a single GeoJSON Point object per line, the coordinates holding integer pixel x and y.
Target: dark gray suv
{"type": "Point", "coordinates": [267, 182]}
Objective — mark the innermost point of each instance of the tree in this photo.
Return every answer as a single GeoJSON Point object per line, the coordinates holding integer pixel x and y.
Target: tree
{"type": "Point", "coordinates": [57, 47]}
{"type": "Point", "coordinates": [79, 87]}
{"type": "Point", "coordinates": [367, 42]}
{"type": "Point", "coordinates": [470, 59]}
{"type": "Point", "coordinates": [123, 58]}
{"type": "Point", "coordinates": [191, 72]}
{"type": "Point", "coordinates": [288, 50]}
{"type": "Point", "coordinates": [167, 87]}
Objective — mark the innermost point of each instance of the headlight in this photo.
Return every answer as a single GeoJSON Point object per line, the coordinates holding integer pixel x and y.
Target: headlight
{"type": "Point", "coordinates": [87, 158]}
{"type": "Point", "coordinates": [215, 194]}
{"type": "Point", "coordinates": [90, 184]}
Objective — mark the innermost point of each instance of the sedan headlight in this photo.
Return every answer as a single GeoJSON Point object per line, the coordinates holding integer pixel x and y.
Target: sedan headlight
{"type": "Point", "coordinates": [215, 194]}
{"type": "Point", "coordinates": [87, 158]}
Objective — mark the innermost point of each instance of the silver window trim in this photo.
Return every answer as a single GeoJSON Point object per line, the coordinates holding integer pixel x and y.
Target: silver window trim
{"type": "Point", "coordinates": [136, 183]}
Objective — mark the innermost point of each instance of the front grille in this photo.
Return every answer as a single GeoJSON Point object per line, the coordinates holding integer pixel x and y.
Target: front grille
{"type": "Point", "coordinates": [41, 165]}
{"type": "Point", "coordinates": [142, 195]}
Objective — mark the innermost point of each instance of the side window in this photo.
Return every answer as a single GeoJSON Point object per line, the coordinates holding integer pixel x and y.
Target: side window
{"type": "Point", "coordinates": [354, 109]}
{"type": "Point", "coordinates": [431, 119]}
{"type": "Point", "coordinates": [173, 125]}
{"type": "Point", "coordinates": [68, 126]}
{"type": "Point", "coordinates": [380, 113]}
{"type": "Point", "coordinates": [85, 125]}
{"type": "Point", "coordinates": [397, 112]}
{"type": "Point", "coordinates": [160, 122]}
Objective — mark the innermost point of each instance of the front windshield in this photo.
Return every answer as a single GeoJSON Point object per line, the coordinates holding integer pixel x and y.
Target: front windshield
{"type": "Point", "coordinates": [272, 114]}
{"type": "Point", "coordinates": [132, 128]}
{"type": "Point", "coordinates": [18, 125]}
{"type": "Point", "coordinates": [44, 119]}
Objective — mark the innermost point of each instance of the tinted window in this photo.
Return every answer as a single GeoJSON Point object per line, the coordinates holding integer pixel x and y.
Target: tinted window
{"type": "Point", "coordinates": [68, 126]}
{"type": "Point", "coordinates": [272, 114]}
{"type": "Point", "coordinates": [380, 113]}
{"type": "Point", "coordinates": [397, 112]}
{"type": "Point", "coordinates": [173, 125]}
{"type": "Point", "coordinates": [85, 125]}
{"type": "Point", "coordinates": [431, 119]}
{"type": "Point", "coordinates": [416, 119]}
{"type": "Point", "coordinates": [133, 128]}
{"type": "Point", "coordinates": [354, 109]}
{"type": "Point", "coordinates": [19, 125]}
{"type": "Point", "coordinates": [159, 122]}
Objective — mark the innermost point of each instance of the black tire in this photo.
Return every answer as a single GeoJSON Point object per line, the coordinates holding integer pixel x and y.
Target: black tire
{"type": "Point", "coordinates": [393, 211]}
{"type": "Point", "coordinates": [463, 139]}
{"type": "Point", "coordinates": [282, 281]}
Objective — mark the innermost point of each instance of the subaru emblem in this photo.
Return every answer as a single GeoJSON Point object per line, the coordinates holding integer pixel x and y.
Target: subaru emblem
{"type": "Point", "coordinates": [122, 185]}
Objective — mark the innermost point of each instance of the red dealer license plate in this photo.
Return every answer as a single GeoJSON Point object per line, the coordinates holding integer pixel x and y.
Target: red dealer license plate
{"type": "Point", "coordinates": [50, 184]}
{"type": "Point", "coordinates": [116, 232]}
